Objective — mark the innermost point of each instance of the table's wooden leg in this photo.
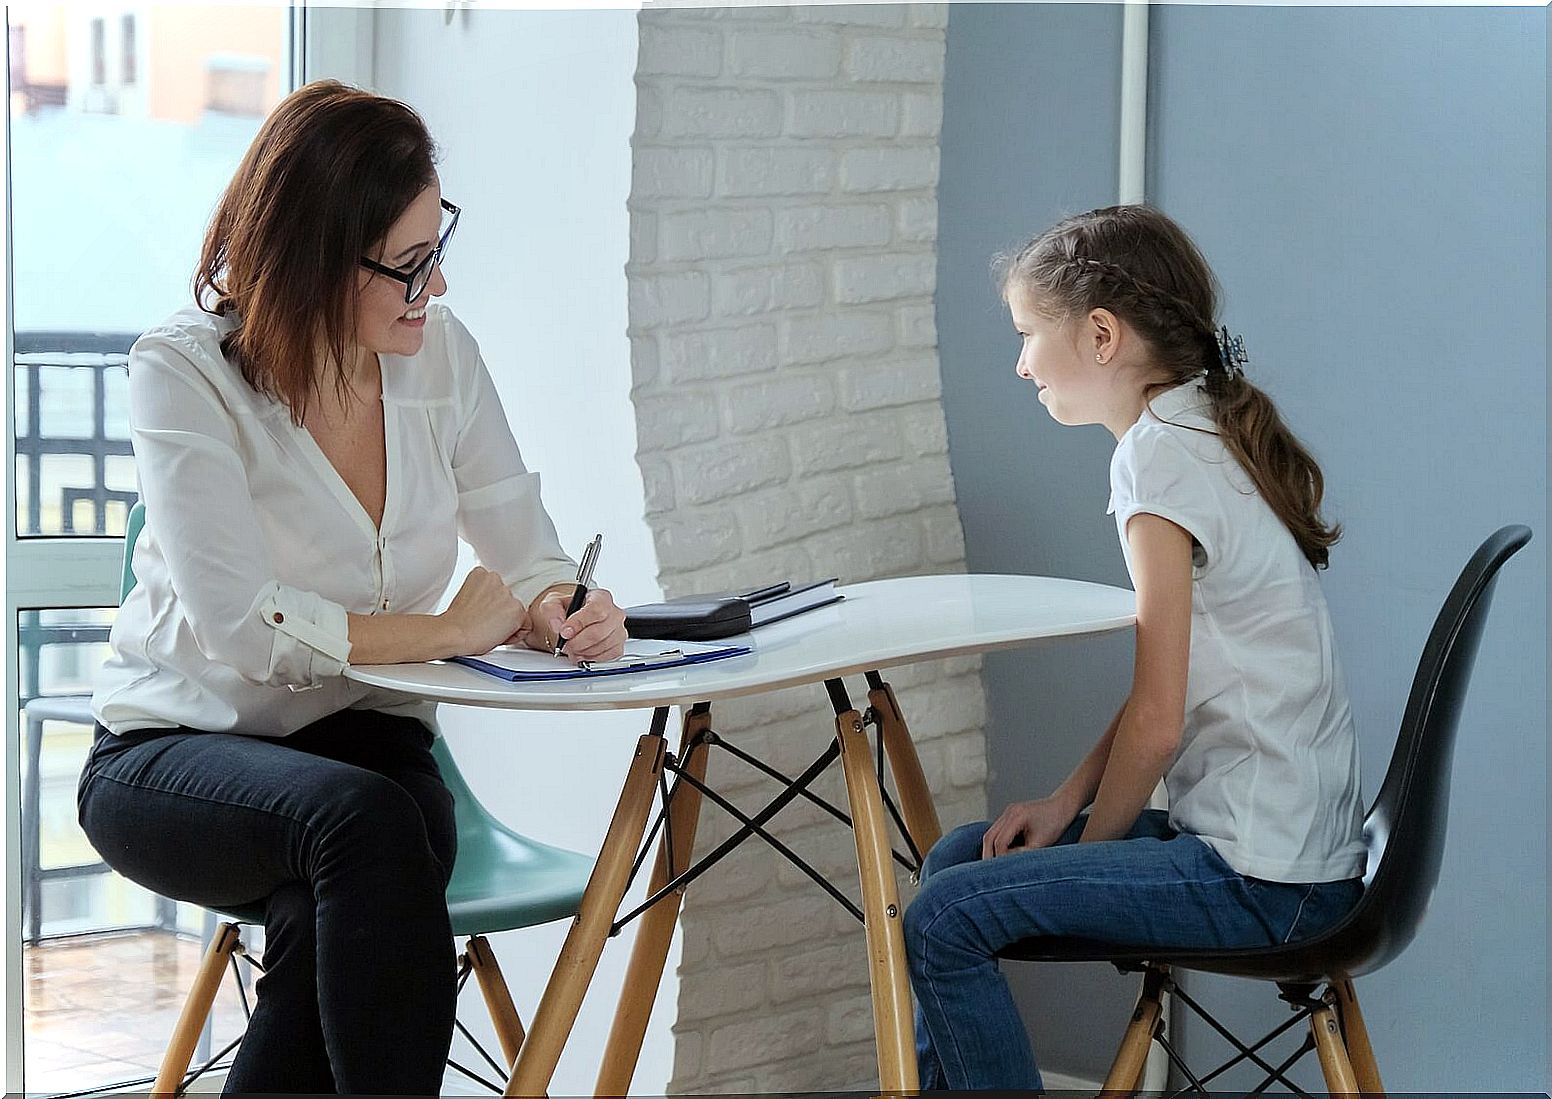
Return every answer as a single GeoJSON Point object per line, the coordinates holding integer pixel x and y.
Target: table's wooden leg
{"type": "Point", "coordinates": [921, 815]}
{"type": "Point", "coordinates": [557, 1010]}
{"type": "Point", "coordinates": [656, 932]}
{"type": "Point", "coordinates": [892, 1023]}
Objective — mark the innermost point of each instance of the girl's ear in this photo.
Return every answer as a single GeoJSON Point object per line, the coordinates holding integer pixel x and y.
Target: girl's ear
{"type": "Point", "coordinates": [1105, 328]}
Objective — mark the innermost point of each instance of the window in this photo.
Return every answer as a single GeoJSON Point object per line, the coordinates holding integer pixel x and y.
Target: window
{"type": "Point", "coordinates": [123, 128]}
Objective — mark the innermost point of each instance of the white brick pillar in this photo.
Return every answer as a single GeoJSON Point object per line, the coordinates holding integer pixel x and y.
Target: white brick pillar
{"type": "Point", "coordinates": [784, 224]}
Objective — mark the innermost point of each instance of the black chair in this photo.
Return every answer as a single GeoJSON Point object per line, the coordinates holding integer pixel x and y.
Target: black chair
{"type": "Point", "coordinates": [1404, 832]}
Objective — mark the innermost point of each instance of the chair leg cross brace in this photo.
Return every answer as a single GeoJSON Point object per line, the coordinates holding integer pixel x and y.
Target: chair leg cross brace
{"type": "Point", "coordinates": [1326, 1037]}
{"type": "Point", "coordinates": [494, 1088]}
{"type": "Point", "coordinates": [484, 1053]}
{"type": "Point", "coordinates": [465, 970]}
{"type": "Point", "coordinates": [1287, 1063]}
{"type": "Point", "coordinates": [1249, 1052]}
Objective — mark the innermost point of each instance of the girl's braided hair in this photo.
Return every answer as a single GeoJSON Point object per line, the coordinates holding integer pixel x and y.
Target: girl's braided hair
{"type": "Point", "coordinates": [1136, 262]}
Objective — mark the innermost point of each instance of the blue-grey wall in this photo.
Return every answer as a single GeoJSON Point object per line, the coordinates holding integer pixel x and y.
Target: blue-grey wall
{"type": "Point", "coordinates": [1370, 185]}
{"type": "Point", "coordinates": [1030, 104]}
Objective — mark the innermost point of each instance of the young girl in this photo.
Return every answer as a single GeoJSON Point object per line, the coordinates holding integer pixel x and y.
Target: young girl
{"type": "Point", "coordinates": [1237, 700]}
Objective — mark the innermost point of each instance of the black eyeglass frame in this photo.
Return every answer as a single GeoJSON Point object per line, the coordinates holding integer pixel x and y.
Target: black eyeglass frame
{"type": "Point", "coordinates": [421, 270]}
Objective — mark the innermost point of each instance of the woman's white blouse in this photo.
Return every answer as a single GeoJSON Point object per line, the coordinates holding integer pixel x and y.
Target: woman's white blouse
{"type": "Point", "coordinates": [1267, 770]}
{"type": "Point", "coordinates": [255, 549]}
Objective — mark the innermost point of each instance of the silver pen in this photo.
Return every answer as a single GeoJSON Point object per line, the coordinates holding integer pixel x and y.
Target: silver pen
{"type": "Point", "coordinates": [584, 578]}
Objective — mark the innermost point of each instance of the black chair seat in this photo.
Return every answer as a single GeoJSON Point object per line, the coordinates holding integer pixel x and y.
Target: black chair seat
{"type": "Point", "coordinates": [1335, 955]}
{"type": "Point", "coordinates": [1361, 943]}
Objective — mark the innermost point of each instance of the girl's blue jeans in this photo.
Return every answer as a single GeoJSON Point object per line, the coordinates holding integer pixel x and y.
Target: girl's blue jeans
{"type": "Point", "coordinates": [1154, 887]}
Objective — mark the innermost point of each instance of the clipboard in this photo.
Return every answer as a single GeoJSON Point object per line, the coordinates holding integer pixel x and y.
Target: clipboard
{"type": "Point", "coordinates": [521, 665]}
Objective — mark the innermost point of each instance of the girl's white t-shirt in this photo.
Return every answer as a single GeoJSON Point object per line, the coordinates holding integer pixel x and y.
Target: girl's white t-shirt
{"type": "Point", "coordinates": [1267, 770]}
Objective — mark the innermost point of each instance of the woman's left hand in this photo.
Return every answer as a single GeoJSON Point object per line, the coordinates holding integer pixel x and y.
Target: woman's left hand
{"type": "Point", "coordinates": [595, 632]}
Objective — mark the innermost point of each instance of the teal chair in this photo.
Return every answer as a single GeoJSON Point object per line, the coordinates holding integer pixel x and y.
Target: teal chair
{"type": "Point", "coordinates": [501, 881]}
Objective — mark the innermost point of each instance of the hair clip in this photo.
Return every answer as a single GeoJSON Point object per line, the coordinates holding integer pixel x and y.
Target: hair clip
{"type": "Point", "coordinates": [1231, 353]}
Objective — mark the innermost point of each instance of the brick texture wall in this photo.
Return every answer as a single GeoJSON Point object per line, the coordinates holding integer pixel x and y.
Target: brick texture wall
{"type": "Point", "coordinates": [784, 222]}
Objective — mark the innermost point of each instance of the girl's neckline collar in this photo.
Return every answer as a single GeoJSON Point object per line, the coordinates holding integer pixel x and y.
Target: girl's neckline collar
{"type": "Point", "coordinates": [1188, 396]}
{"type": "Point", "coordinates": [1170, 404]}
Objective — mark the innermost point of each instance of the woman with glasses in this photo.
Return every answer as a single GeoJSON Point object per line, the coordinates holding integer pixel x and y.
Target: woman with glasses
{"type": "Point", "coordinates": [312, 437]}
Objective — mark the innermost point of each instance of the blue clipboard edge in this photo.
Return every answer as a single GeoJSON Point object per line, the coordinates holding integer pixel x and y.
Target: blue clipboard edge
{"type": "Point", "coordinates": [497, 671]}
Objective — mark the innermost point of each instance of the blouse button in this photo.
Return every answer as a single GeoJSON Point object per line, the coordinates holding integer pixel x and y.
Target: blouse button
{"type": "Point", "coordinates": [278, 618]}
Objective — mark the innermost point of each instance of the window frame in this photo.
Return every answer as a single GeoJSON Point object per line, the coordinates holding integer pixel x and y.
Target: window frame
{"type": "Point", "coordinates": [46, 572]}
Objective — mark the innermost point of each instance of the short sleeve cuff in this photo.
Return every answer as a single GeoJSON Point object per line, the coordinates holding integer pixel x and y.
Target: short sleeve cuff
{"type": "Point", "coordinates": [1192, 525]}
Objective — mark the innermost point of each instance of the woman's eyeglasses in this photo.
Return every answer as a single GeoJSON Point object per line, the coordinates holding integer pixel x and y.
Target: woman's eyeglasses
{"type": "Point", "coordinates": [417, 278]}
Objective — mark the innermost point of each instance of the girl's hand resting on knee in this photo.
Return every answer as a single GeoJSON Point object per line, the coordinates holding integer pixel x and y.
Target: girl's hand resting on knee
{"type": "Point", "coordinates": [1026, 825]}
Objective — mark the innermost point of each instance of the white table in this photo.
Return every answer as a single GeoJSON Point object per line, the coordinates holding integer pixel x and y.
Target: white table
{"type": "Point", "coordinates": [880, 624]}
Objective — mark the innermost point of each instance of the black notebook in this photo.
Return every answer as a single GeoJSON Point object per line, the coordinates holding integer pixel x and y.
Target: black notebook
{"type": "Point", "coordinates": [709, 617]}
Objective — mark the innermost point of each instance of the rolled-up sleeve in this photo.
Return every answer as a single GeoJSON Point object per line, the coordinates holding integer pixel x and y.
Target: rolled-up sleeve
{"type": "Point", "coordinates": [200, 511]}
{"type": "Point", "coordinates": [500, 513]}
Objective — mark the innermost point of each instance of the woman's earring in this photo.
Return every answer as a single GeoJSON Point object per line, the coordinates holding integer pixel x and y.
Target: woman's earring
{"type": "Point", "coordinates": [1099, 358]}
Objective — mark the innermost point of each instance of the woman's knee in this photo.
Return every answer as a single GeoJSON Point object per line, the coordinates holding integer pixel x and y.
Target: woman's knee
{"type": "Point", "coordinates": [367, 817]}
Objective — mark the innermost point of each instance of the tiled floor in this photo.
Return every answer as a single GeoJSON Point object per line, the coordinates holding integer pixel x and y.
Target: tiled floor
{"type": "Point", "coordinates": [100, 1009]}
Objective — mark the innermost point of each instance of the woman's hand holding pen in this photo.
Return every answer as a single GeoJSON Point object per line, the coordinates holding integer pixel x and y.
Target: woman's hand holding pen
{"type": "Point", "coordinates": [595, 632]}
{"type": "Point", "coordinates": [484, 614]}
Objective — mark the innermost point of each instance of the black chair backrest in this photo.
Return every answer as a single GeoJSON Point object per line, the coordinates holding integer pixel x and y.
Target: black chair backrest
{"type": "Point", "coordinates": [1404, 829]}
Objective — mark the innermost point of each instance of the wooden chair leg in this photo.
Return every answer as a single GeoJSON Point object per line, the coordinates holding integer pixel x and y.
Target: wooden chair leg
{"type": "Point", "coordinates": [1356, 1036]}
{"type": "Point", "coordinates": [1130, 1060]}
{"type": "Point", "coordinates": [498, 998]}
{"type": "Point", "coordinates": [1329, 1047]}
{"type": "Point", "coordinates": [916, 806]}
{"type": "Point", "coordinates": [196, 1009]}
{"type": "Point", "coordinates": [557, 1010]}
{"type": "Point", "coordinates": [656, 930]}
{"type": "Point", "coordinates": [892, 1022]}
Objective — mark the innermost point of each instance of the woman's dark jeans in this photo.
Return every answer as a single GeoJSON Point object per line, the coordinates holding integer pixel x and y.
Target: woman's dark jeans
{"type": "Point", "coordinates": [342, 834]}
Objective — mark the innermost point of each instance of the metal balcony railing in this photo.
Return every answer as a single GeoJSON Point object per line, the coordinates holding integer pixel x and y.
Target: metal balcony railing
{"type": "Point", "coordinates": [37, 354]}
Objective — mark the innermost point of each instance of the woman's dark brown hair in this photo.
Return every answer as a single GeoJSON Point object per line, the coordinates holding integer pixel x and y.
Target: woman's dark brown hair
{"type": "Point", "coordinates": [1140, 265]}
{"type": "Point", "coordinates": [331, 170]}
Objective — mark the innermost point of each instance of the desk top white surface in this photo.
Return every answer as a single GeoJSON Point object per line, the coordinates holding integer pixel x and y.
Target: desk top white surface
{"type": "Point", "coordinates": [879, 624]}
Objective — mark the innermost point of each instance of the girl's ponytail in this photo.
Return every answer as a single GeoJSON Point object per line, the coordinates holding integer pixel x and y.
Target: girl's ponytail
{"type": "Point", "coordinates": [1285, 473]}
{"type": "Point", "coordinates": [1136, 262]}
